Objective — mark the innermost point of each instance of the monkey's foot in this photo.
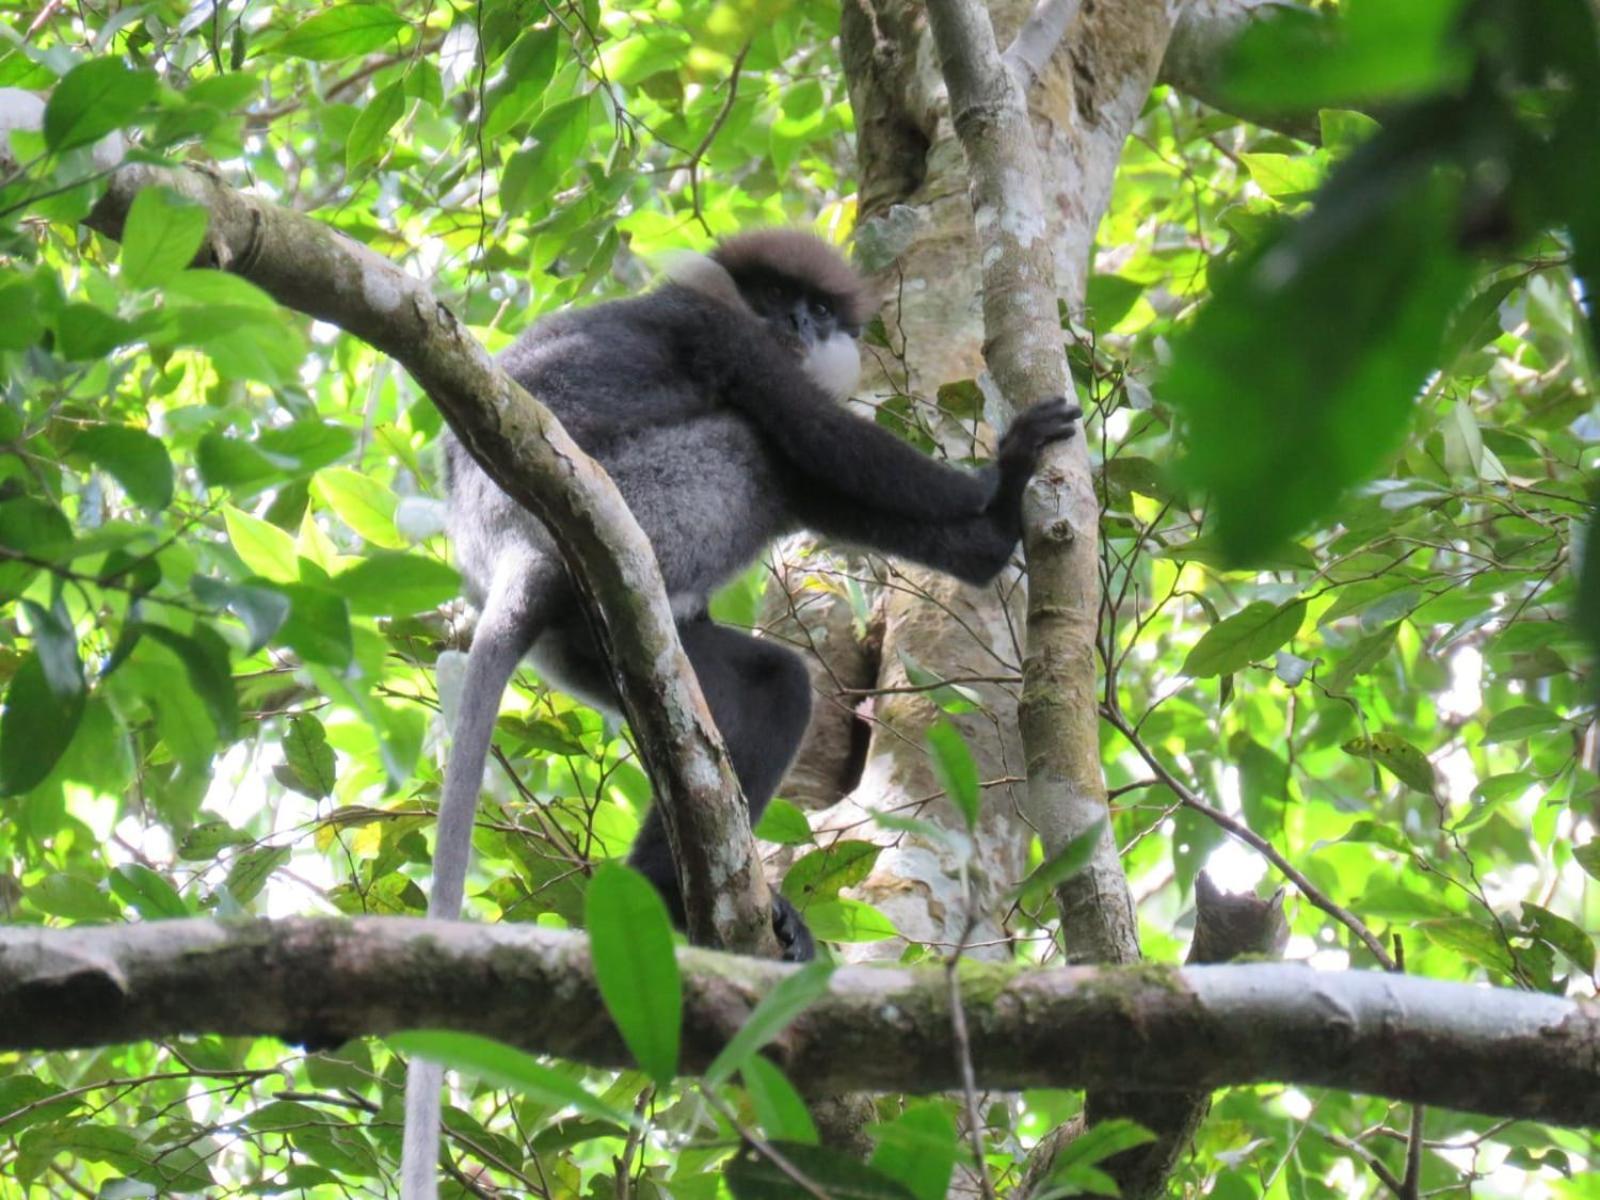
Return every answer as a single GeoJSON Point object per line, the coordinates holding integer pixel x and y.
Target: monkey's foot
{"type": "Point", "coordinates": [793, 934]}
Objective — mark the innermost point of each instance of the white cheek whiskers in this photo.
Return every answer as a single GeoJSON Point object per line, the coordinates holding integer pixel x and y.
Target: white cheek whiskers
{"type": "Point", "coordinates": [835, 365]}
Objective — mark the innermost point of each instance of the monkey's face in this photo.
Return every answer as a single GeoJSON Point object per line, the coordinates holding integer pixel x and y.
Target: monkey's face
{"type": "Point", "coordinates": [813, 325]}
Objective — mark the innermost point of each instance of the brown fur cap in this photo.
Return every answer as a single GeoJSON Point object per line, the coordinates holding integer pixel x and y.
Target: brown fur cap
{"type": "Point", "coordinates": [800, 256]}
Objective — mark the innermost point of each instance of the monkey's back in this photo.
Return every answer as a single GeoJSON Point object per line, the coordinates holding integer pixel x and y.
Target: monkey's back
{"type": "Point", "coordinates": [698, 477]}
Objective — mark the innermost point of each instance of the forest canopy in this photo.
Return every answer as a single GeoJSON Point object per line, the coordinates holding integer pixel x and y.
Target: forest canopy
{"type": "Point", "coordinates": [1329, 323]}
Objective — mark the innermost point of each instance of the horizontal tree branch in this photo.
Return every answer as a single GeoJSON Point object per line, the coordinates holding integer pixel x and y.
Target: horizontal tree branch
{"type": "Point", "coordinates": [317, 271]}
{"type": "Point", "coordinates": [1480, 1049]}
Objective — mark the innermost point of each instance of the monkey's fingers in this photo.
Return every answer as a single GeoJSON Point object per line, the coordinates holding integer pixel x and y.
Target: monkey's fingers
{"type": "Point", "coordinates": [1049, 421]}
{"type": "Point", "coordinates": [793, 933]}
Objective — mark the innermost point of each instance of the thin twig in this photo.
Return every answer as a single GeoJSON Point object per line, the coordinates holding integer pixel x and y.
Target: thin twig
{"type": "Point", "coordinates": [623, 1163]}
{"type": "Point", "coordinates": [963, 1045]}
{"type": "Point", "coordinates": [764, 1148]}
{"type": "Point", "coordinates": [45, 13]}
{"type": "Point", "coordinates": [717, 123]}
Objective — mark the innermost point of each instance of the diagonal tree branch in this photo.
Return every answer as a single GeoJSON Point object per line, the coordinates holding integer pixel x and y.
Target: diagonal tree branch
{"type": "Point", "coordinates": [317, 271]}
{"type": "Point", "coordinates": [1488, 1050]}
{"type": "Point", "coordinates": [1193, 63]}
{"type": "Point", "coordinates": [1039, 38]}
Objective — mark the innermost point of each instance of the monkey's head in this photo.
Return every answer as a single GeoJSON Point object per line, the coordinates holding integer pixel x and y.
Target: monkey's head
{"type": "Point", "coordinates": [809, 296]}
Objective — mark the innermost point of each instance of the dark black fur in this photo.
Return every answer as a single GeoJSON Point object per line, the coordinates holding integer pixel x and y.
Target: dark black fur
{"type": "Point", "coordinates": [699, 410]}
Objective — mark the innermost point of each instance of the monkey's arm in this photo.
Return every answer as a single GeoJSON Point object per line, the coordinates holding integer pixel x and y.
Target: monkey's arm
{"type": "Point", "coordinates": [974, 548]}
{"type": "Point", "coordinates": [853, 457]}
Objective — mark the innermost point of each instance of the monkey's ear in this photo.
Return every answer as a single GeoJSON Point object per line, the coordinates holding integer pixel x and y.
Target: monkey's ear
{"type": "Point", "coordinates": [710, 278]}
{"type": "Point", "coordinates": [1204, 889]}
{"type": "Point", "coordinates": [1277, 896]}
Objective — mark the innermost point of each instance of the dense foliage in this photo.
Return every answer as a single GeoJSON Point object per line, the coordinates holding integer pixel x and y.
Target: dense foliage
{"type": "Point", "coordinates": [226, 634]}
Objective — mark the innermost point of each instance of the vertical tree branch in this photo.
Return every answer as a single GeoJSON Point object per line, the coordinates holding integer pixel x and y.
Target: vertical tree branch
{"type": "Point", "coordinates": [1023, 349]}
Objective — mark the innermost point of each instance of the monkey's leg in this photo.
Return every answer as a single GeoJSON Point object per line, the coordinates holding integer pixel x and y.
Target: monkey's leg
{"type": "Point", "coordinates": [512, 616]}
{"type": "Point", "coordinates": [760, 697]}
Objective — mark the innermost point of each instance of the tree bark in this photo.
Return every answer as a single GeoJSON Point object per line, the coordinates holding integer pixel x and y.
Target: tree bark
{"type": "Point", "coordinates": [1489, 1050]}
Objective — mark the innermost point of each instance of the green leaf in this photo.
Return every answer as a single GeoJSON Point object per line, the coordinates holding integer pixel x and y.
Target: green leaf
{"type": "Point", "coordinates": [162, 235]}
{"type": "Point", "coordinates": [1280, 423]}
{"type": "Point", "coordinates": [820, 874]}
{"type": "Point", "coordinates": [630, 935]}
{"type": "Point", "coordinates": [134, 458]}
{"type": "Point", "coordinates": [72, 896]}
{"type": "Point", "coordinates": [263, 610]}
{"type": "Point", "coordinates": [503, 1066]}
{"type": "Point", "coordinates": [203, 287]}
{"type": "Point", "coordinates": [205, 657]}
{"type": "Point", "coordinates": [23, 325]}
{"type": "Point", "coordinates": [44, 704]}
{"type": "Point", "coordinates": [779, 1108]}
{"type": "Point", "coordinates": [309, 763]}
{"type": "Point", "coordinates": [774, 1013]}
{"type": "Point", "coordinates": [1067, 862]}
{"type": "Point", "coordinates": [341, 32]}
{"type": "Point", "coordinates": [784, 824]}
{"type": "Point", "coordinates": [920, 1149]}
{"type": "Point", "coordinates": [250, 871]}
{"type": "Point", "coordinates": [84, 332]}
{"type": "Point", "coordinates": [1476, 941]}
{"type": "Point", "coordinates": [1363, 656]}
{"type": "Point", "coordinates": [1291, 59]}
{"type": "Point", "coordinates": [1075, 1165]}
{"type": "Point", "coordinates": [1110, 298]}
{"type": "Point", "coordinates": [151, 895]}
{"type": "Point", "coordinates": [37, 529]}
{"type": "Point", "coordinates": [1477, 321]}
{"type": "Point", "coordinates": [1524, 721]}
{"type": "Point", "coordinates": [1283, 176]}
{"type": "Point", "coordinates": [362, 503]}
{"type": "Point", "coordinates": [842, 920]}
{"type": "Point", "coordinates": [528, 68]}
{"type": "Point", "coordinates": [1396, 755]}
{"type": "Point", "coordinates": [1344, 129]}
{"type": "Point", "coordinates": [565, 1134]}
{"type": "Point", "coordinates": [272, 455]}
{"type": "Point", "coordinates": [373, 123]}
{"type": "Point", "coordinates": [751, 1175]}
{"type": "Point", "coordinates": [558, 136]}
{"type": "Point", "coordinates": [1378, 833]}
{"type": "Point", "coordinates": [92, 99]}
{"type": "Point", "coordinates": [318, 628]}
{"type": "Point", "coordinates": [955, 770]}
{"type": "Point", "coordinates": [1561, 933]}
{"type": "Point", "coordinates": [1587, 856]}
{"type": "Point", "coordinates": [264, 548]}
{"type": "Point", "coordinates": [100, 756]}
{"type": "Point", "coordinates": [397, 584]}
{"type": "Point", "coordinates": [205, 840]}
{"type": "Point", "coordinates": [953, 698]}
{"type": "Point", "coordinates": [651, 48]}
{"type": "Point", "coordinates": [1250, 634]}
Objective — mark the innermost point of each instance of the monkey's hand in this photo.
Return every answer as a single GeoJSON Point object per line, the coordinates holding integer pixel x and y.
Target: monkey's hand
{"type": "Point", "coordinates": [1052, 420]}
{"type": "Point", "coordinates": [793, 934]}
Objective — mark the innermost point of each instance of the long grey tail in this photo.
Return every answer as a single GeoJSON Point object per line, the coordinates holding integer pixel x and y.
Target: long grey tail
{"type": "Point", "coordinates": [505, 632]}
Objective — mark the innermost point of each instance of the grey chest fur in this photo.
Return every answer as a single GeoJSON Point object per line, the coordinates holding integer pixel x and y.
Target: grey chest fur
{"type": "Point", "coordinates": [703, 490]}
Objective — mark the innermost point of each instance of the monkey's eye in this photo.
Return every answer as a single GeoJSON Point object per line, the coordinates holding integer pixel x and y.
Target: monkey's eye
{"type": "Point", "coordinates": [821, 308]}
